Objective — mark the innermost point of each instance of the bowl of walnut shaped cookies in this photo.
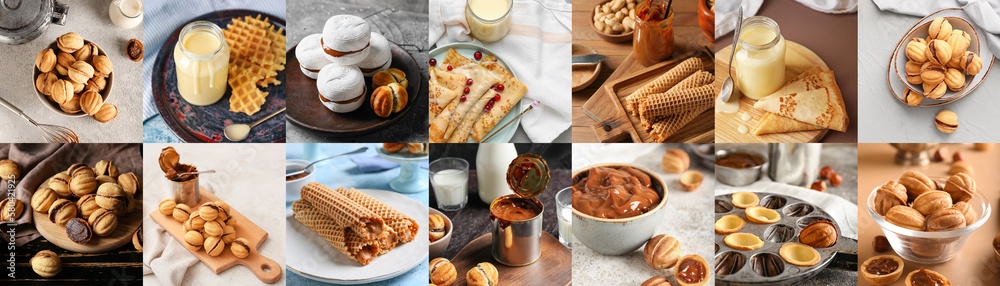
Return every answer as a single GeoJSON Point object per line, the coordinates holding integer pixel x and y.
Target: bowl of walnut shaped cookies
{"type": "Point", "coordinates": [927, 223]}
{"type": "Point", "coordinates": [938, 59]}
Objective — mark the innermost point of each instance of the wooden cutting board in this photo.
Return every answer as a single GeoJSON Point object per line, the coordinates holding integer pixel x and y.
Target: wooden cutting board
{"type": "Point", "coordinates": [127, 225]}
{"type": "Point", "coordinates": [798, 58]}
{"type": "Point", "coordinates": [265, 268]}
{"type": "Point", "coordinates": [554, 266]}
{"type": "Point", "coordinates": [614, 123]}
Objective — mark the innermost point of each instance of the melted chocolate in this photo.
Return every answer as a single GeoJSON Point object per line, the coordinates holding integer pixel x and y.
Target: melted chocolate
{"type": "Point", "coordinates": [882, 266]}
{"type": "Point", "coordinates": [740, 160]}
{"type": "Point", "coordinates": [691, 271]}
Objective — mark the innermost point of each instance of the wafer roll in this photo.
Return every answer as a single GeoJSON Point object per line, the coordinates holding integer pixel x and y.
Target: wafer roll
{"type": "Point", "coordinates": [406, 228]}
{"type": "Point", "coordinates": [694, 80]}
{"type": "Point", "coordinates": [663, 83]}
{"type": "Point", "coordinates": [669, 125]}
{"type": "Point", "coordinates": [344, 211]}
{"type": "Point", "coordinates": [348, 242]}
{"type": "Point", "coordinates": [669, 103]}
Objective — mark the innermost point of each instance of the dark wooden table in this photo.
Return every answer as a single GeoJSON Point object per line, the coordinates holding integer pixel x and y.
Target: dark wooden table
{"type": "Point", "coordinates": [688, 37]}
{"type": "Point", "coordinates": [473, 220]}
{"type": "Point", "coordinates": [122, 266]}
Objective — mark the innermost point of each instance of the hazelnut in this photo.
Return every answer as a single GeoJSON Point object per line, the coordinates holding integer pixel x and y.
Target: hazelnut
{"type": "Point", "coordinates": [881, 244]}
{"type": "Point", "coordinates": [80, 72]}
{"type": "Point", "coordinates": [442, 272]}
{"type": "Point", "coordinates": [69, 42]}
{"type": "Point", "coordinates": [938, 52]}
{"type": "Point", "coordinates": [971, 63]}
{"type": "Point", "coordinates": [104, 222]}
{"type": "Point", "coordinates": [11, 209]}
{"type": "Point", "coordinates": [91, 102]}
{"type": "Point", "coordinates": [134, 50]}
{"type": "Point", "coordinates": [656, 281]}
{"type": "Point", "coordinates": [61, 91]}
{"type": "Point", "coordinates": [86, 52]}
{"type": "Point", "coordinates": [940, 28]}
{"type": "Point", "coordinates": [967, 211]}
{"type": "Point", "coordinates": [935, 90]}
{"type": "Point", "coordinates": [960, 186]}
{"type": "Point", "coordinates": [46, 263]}
{"type": "Point", "coordinates": [836, 179]}
{"type": "Point", "coordinates": [675, 161]}
{"type": "Point", "coordinates": [181, 212]}
{"type": "Point", "coordinates": [916, 183]}
{"type": "Point", "coordinates": [961, 167]}
{"type": "Point", "coordinates": [42, 200]}
{"type": "Point", "coordinates": [913, 71]}
{"type": "Point", "coordinates": [912, 97]}
{"type": "Point", "coordinates": [193, 240]}
{"type": "Point", "coordinates": [691, 180]}
{"type": "Point", "coordinates": [820, 234]}
{"type": "Point", "coordinates": [45, 61]}
{"type": "Point", "coordinates": [889, 195]}
{"type": "Point", "coordinates": [107, 113]}
{"type": "Point", "coordinates": [9, 170]}
{"type": "Point", "coordinates": [945, 220]}
{"type": "Point", "coordinates": [916, 50]}
{"type": "Point", "coordinates": [958, 156]}
{"type": "Point", "coordinates": [662, 251]}
{"type": "Point", "coordinates": [240, 248]}
{"type": "Point", "coordinates": [940, 154]}
{"type": "Point", "coordinates": [905, 217]}
{"type": "Point", "coordinates": [819, 185]}
{"type": "Point", "coordinates": [102, 66]}
{"type": "Point", "coordinates": [825, 172]}
{"type": "Point", "coordinates": [930, 202]}
{"type": "Point", "coordinates": [954, 79]}
{"type": "Point", "coordinates": [107, 168]}
{"type": "Point", "coordinates": [167, 206]}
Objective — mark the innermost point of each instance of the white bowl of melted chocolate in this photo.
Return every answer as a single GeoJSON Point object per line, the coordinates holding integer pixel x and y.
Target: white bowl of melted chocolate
{"type": "Point", "coordinates": [616, 207]}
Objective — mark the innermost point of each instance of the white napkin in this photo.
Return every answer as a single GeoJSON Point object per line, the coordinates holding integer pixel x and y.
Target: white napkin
{"type": "Point", "coordinates": [163, 256]}
{"type": "Point", "coordinates": [984, 13]}
{"type": "Point", "coordinates": [842, 211]}
{"type": "Point", "coordinates": [541, 29]}
{"type": "Point", "coordinates": [726, 11]}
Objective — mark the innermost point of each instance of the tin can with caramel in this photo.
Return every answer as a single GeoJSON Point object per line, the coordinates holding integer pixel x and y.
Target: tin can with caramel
{"type": "Point", "coordinates": [517, 218]}
{"type": "Point", "coordinates": [185, 188]}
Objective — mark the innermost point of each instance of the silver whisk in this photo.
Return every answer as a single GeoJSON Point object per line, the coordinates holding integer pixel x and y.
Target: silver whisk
{"type": "Point", "coordinates": [52, 133]}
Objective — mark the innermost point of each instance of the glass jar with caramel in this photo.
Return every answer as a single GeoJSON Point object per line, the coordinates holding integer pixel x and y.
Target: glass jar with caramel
{"type": "Point", "coordinates": [653, 40]}
{"type": "Point", "coordinates": [517, 218]}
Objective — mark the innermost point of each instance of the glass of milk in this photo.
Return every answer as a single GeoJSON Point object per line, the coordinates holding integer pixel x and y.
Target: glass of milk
{"type": "Point", "coordinates": [564, 210]}
{"type": "Point", "coordinates": [125, 13]}
{"type": "Point", "coordinates": [449, 177]}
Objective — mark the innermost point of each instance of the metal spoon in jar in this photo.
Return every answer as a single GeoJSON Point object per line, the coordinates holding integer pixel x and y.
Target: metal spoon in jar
{"type": "Point", "coordinates": [293, 172]}
{"type": "Point", "coordinates": [727, 86]}
{"type": "Point", "coordinates": [239, 132]}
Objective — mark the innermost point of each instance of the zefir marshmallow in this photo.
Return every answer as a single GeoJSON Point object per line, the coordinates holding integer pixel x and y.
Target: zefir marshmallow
{"type": "Point", "coordinates": [342, 89]}
{"type": "Point", "coordinates": [346, 39]}
{"type": "Point", "coordinates": [311, 56]}
{"type": "Point", "coordinates": [379, 56]}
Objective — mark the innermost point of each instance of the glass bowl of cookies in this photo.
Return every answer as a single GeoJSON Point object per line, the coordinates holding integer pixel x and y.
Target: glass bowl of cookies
{"type": "Point", "coordinates": [928, 220]}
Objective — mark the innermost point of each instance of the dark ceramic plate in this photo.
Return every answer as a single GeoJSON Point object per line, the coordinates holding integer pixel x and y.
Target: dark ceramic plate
{"type": "Point", "coordinates": [193, 123]}
{"type": "Point", "coordinates": [305, 109]}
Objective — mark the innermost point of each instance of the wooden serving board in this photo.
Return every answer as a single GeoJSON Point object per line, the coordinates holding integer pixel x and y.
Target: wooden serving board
{"type": "Point", "coordinates": [798, 58]}
{"type": "Point", "coordinates": [127, 225]}
{"type": "Point", "coordinates": [554, 266]}
{"type": "Point", "coordinates": [614, 123]}
{"type": "Point", "coordinates": [265, 268]}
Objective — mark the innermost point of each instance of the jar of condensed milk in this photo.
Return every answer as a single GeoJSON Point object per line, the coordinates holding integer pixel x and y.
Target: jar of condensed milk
{"type": "Point", "coordinates": [759, 62]}
{"type": "Point", "coordinates": [489, 20]}
{"type": "Point", "coordinates": [201, 59]}
{"type": "Point", "coordinates": [517, 218]}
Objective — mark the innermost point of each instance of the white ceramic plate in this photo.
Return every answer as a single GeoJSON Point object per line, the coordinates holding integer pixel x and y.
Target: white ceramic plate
{"type": "Point", "coordinates": [311, 256]}
{"type": "Point", "coordinates": [468, 50]}
{"type": "Point", "coordinates": [957, 18]}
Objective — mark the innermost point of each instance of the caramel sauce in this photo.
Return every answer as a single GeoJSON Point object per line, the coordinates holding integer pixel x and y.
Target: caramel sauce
{"type": "Point", "coordinates": [614, 192]}
{"type": "Point", "coordinates": [925, 278]}
{"type": "Point", "coordinates": [882, 266]}
{"type": "Point", "coordinates": [174, 174]}
{"type": "Point", "coordinates": [740, 160]}
{"type": "Point", "coordinates": [297, 176]}
{"type": "Point", "coordinates": [691, 271]}
{"type": "Point", "coordinates": [513, 209]}
{"type": "Point", "coordinates": [337, 53]}
{"type": "Point", "coordinates": [654, 32]}
{"type": "Point", "coordinates": [521, 170]}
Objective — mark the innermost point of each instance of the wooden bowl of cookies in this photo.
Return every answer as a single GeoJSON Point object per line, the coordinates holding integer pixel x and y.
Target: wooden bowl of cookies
{"type": "Point", "coordinates": [72, 109]}
{"type": "Point", "coordinates": [605, 30]}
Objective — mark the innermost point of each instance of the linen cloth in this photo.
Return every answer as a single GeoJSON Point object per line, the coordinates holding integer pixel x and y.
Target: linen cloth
{"type": "Point", "coordinates": [726, 11]}
{"type": "Point", "coordinates": [537, 49]}
{"type": "Point", "coordinates": [985, 14]}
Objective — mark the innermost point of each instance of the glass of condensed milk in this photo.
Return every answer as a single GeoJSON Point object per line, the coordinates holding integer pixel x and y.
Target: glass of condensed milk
{"type": "Point", "coordinates": [489, 20]}
{"type": "Point", "coordinates": [517, 218]}
{"type": "Point", "coordinates": [201, 56]}
{"type": "Point", "coordinates": [759, 62]}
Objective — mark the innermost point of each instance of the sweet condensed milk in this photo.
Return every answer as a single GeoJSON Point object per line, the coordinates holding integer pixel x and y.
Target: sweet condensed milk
{"type": "Point", "coordinates": [759, 62]}
{"type": "Point", "coordinates": [489, 20]}
{"type": "Point", "coordinates": [201, 57]}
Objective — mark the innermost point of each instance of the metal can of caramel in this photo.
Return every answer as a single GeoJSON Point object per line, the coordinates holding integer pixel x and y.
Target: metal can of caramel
{"type": "Point", "coordinates": [186, 189]}
{"type": "Point", "coordinates": [517, 229]}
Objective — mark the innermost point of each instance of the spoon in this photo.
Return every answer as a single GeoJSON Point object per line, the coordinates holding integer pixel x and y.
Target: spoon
{"type": "Point", "coordinates": [239, 132]}
{"type": "Point", "coordinates": [727, 86]}
{"type": "Point", "coordinates": [289, 173]}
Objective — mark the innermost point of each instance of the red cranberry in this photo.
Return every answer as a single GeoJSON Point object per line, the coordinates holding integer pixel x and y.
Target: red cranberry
{"type": "Point", "coordinates": [496, 97]}
{"type": "Point", "coordinates": [468, 82]}
{"type": "Point", "coordinates": [462, 99]}
{"type": "Point", "coordinates": [499, 87]}
{"type": "Point", "coordinates": [434, 62]}
{"type": "Point", "coordinates": [449, 68]}
{"type": "Point", "coordinates": [466, 90]}
{"type": "Point", "coordinates": [478, 55]}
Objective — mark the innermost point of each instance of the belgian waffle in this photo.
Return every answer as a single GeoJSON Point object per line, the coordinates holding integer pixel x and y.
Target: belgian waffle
{"type": "Point", "coordinates": [246, 97]}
